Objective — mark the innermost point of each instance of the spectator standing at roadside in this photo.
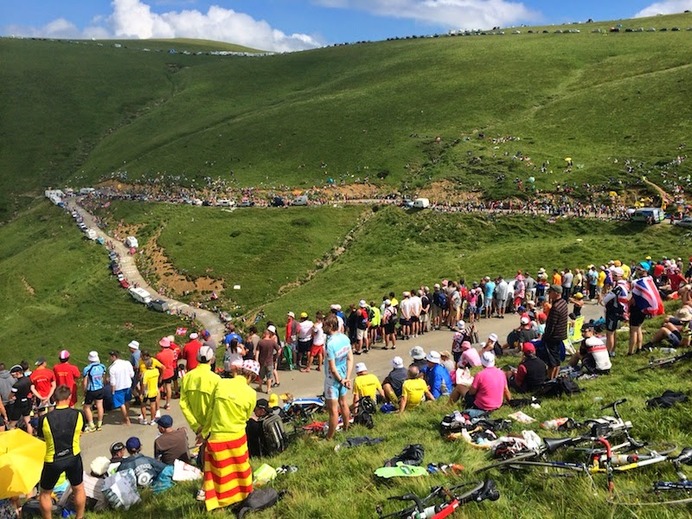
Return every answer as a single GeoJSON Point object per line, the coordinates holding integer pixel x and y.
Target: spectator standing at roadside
{"type": "Point", "coordinates": [292, 339]}
{"type": "Point", "coordinates": [190, 351]}
{"type": "Point", "coordinates": [42, 382]}
{"type": "Point", "coordinates": [304, 339]}
{"type": "Point", "coordinates": [389, 319]}
{"type": "Point", "coordinates": [167, 358]}
{"type": "Point", "coordinates": [338, 365]}
{"type": "Point", "coordinates": [317, 347]}
{"type": "Point", "coordinates": [120, 374]}
{"type": "Point", "coordinates": [616, 303]}
{"type": "Point", "coordinates": [488, 296]}
{"type": "Point", "coordinates": [555, 329]}
{"type": "Point", "coordinates": [93, 374]}
{"type": "Point", "coordinates": [67, 374]}
{"type": "Point", "coordinates": [267, 348]}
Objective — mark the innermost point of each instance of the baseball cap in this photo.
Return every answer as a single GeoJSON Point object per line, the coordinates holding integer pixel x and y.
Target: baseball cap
{"type": "Point", "coordinates": [165, 421]}
{"type": "Point", "coordinates": [93, 356]}
{"type": "Point", "coordinates": [492, 337]}
{"type": "Point", "coordinates": [194, 335]}
{"type": "Point", "coordinates": [525, 320]}
{"type": "Point", "coordinates": [64, 355]}
{"type": "Point", "coordinates": [618, 271]}
{"type": "Point", "coordinates": [262, 403]}
{"type": "Point", "coordinates": [397, 362]}
{"type": "Point", "coordinates": [362, 303]}
{"type": "Point", "coordinates": [165, 342]}
{"type": "Point", "coordinates": [133, 444]}
{"type": "Point", "coordinates": [387, 302]}
{"type": "Point", "coordinates": [16, 369]}
{"type": "Point", "coordinates": [205, 354]}
{"type": "Point", "coordinates": [578, 295]}
{"type": "Point", "coordinates": [488, 359]}
{"type": "Point", "coordinates": [528, 348]}
{"type": "Point", "coordinates": [433, 357]}
{"type": "Point", "coordinates": [133, 345]}
{"type": "Point", "coordinates": [271, 328]}
{"type": "Point", "coordinates": [205, 333]}
{"type": "Point", "coordinates": [116, 447]}
{"type": "Point", "coordinates": [556, 288]}
{"type": "Point", "coordinates": [360, 367]}
{"type": "Point", "coordinates": [417, 353]}
{"type": "Point", "coordinates": [291, 314]}
{"type": "Point", "coordinates": [303, 315]}
{"type": "Point", "coordinates": [40, 360]}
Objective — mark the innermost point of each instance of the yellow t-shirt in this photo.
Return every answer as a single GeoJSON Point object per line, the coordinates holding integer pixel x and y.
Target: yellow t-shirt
{"type": "Point", "coordinates": [414, 391]}
{"type": "Point", "coordinates": [601, 279]}
{"type": "Point", "coordinates": [154, 364]}
{"type": "Point", "coordinates": [150, 382]}
{"type": "Point", "coordinates": [367, 385]}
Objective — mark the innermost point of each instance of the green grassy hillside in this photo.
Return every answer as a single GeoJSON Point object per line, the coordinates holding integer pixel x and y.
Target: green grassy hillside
{"type": "Point", "coordinates": [83, 112]}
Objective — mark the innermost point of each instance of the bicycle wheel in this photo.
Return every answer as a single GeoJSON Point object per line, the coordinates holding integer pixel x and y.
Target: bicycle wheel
{"type": "Point", "coordinates": [503, 463]}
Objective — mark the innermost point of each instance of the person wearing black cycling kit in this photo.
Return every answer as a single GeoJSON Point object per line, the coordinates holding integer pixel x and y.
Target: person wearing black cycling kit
{"type": "Point", "coordinates": [61, 431]}
{"type": "Point", "coordinates": [531, 372]}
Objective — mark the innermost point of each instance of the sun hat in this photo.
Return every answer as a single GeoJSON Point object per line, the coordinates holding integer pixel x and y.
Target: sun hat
{"type": "Point", "coordinates": [93, 356]}
{"type": "Point", "coordinates": [303, 315]}
{"type": "Point", "coordinates": [684, 314]}
{"type": "Point", "coordinates": [99, 466]}
{"type": "Point", "coordinates": [528, 348]}
{"type": "Point", "coordinates": [433, 357]}
{"type": "Point", "coordinates": [488, 359]}
{"type": "Point", "coordinates": [578, 295]}
{"type": "Point", "coordinates": [134, 345]}
{"type": "Point", "coordinates": [360, 367]}
{"type": "Point", "coordinates": [205, 354]}
{"type": "Point", "coordinates": [165, 342]}
{"type": "Point", "coordinates": [291, 314]}
{"type": "Point", "coordinates": [133, 444]}
{"type": "Point", "coordinates": [362, 303]}
{"type": "Point", "coordinates": [417, 353]}
{"type": "Point", "coordinates": [64, 355]}
{"type": "Point", "coordinates": [273, 400]}
{"type": "Point", "coordinates": [445, 354]}
{"type": "Point", "coordinates": [465, 345]}
{"type": "Point", "coordinates": [397, 362]}
{"type": "Point", "coordinates": [271, 328]}
{"type": "Point", "coordinates": [251, 366]}
{"type": "Point", "coordinates": [492, 337]}
{"type": "Point", "coordinates": [525, 320]}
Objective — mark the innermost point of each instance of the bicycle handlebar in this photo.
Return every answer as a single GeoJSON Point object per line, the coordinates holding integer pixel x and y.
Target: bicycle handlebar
{"type": "Point", "coordinates": [614, 405]}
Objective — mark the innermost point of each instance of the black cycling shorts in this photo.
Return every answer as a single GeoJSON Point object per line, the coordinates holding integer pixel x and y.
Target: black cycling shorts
{"type": "Point", "coordinates": [72, 467]}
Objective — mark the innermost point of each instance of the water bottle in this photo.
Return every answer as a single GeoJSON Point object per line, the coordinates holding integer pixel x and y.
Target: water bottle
{"type": "Point", "coordinates": [670, 351]}
{"type": "Point", "coordinates": [553, 425]}
{"type": "Point", "coordinates": [623, 459]}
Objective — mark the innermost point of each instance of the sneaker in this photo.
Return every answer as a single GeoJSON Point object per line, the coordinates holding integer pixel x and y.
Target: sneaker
{"type": "Point", "coordinates": [99, 426]}
{"type": "Point", "coordinates": [142, 421]}
{"type": "Point", "coordinates": [158, 413]}
{"type": "Point", "coordinates": [201, 495]}
{"type": "Point", "coordinates": [90, 428]}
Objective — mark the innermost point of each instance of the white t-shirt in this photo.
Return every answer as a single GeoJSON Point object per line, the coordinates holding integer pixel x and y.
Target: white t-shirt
{"type": "Point", "coordinates": [121, 374]}
{"type": "Point", "coordinates": [405, 307]}
{"type": "Point", "coordinates": [416, 305]}
{"type": "Point", "coordinates": [318, 335]}
{"type": "Point", "coordinates": [305, 330]}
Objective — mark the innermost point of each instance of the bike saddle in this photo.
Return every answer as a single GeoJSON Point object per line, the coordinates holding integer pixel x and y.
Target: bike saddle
{"type": "Point", "coordinates": [684, 457]}
{"type": "Point", "coordinates": [489, 491]}
{"type": "Point", "coordinates": [553, 444]}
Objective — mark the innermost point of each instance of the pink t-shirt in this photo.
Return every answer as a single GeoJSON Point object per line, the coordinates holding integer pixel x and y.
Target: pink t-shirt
{"type": "Point", "coordinates": [490, 385]}
{"type": "Point", "coordinates": [470, 358]}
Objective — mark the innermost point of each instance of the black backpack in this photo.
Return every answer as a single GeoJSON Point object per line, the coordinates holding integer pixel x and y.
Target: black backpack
{"type": "Point", "coordinates": [257, 500]}
{"type": "Point", "coordinates": [274, 438]}
{"type": "Point", "coordinates": [366, 409]}
{"type": "Point", "coordinates": [558, 387]}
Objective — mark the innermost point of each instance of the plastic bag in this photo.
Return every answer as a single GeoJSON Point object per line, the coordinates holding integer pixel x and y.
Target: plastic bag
{"type": "Point", "coordinates": [185, 472]}
{"type": "Point", "coordinates": [121, 489]}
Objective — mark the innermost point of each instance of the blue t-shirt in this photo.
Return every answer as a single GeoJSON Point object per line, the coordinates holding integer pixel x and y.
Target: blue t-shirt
{"type": "Point", "coordinates": [436, 377]}
{"type": "Point", "coordinates": [338, 347]}
{"type": "Point", "coordinates": [489, 289]}
{"type": "Point", "coordinates": [94, 374]}
{"type": "Point", "coordinates": [230, 336]}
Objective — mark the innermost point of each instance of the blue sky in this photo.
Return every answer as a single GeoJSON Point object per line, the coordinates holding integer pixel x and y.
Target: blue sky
{"type": "Point", "coordinates": [286, 25]}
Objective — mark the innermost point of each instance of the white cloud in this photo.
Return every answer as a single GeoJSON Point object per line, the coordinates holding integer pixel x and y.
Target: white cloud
{"type": "Point", "coordinates": [135, 19]}
{"type": "Point", "coordinates": [459, 14]}
{"type": "Point", "coordinates": [665, 7]}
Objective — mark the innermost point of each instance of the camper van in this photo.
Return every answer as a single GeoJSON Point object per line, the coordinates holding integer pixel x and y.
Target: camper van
{"type": "Point", "coordinates": [159, 305]}
{"type": "Point", "coordinates": [140, 295]}
{"type": "Point", "coordinates": [300, 200]}
{"type": "Point", "coordinates": [648, 215]}
{"type": "Point", "coordinates": [131, 242]}
{"type": "Point", "coordinates": [421, 203]}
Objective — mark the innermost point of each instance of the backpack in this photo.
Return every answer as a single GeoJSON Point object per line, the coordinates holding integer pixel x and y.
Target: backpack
{"type": "Point", "coordinates": [257, 500]}
{"type": "Point", "coordinates": [558, 387]}
{"type": "Point", "coordinates": [366, 408]}
{"type": "Point", "coordinates": [274, 438]}
{"type": "Point", "coordinates": [371, 313]}
{"type": "Point", "coordinates": [440, 299]}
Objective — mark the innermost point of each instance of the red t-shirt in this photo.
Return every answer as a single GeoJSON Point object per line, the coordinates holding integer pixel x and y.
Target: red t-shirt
{"type": "Point", "coordinates": [167, 358]}
{"type": "Point", "coordinates": [42, 378]}
{"type": "Point", "coordinates": [190, 353]}
{"type": "Point", "coordinates": [66, 373]}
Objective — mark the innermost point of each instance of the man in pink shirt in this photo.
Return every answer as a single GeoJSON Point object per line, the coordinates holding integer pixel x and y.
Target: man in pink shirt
{"type": "Point", "coordinates": [489, 387]}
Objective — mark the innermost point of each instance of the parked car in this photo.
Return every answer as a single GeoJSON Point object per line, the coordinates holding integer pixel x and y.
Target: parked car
{"type": "Point", "coordinates": [685, 222]}
{"type": "Point", "coordinates": [124, 283]}
{"type": "Point", "coordinates": [277, 201]}
{"type": "Point", "coordinates": [300, 200]}
{"type": "Point", "coordinates": [159, 305]}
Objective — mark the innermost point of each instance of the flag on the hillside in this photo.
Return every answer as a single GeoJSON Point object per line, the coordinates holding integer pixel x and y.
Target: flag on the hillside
{"type": "Point", "coordinates": [646, 296]}
{"type": "Point", "coordinates": [181, 331]}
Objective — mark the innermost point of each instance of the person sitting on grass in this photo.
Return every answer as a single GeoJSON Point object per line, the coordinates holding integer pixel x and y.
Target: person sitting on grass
{"type": "Point", "coordinates": [146, 468]}
{"type": "Point", "coordinates": [366, 384]}
{"type": "Point", "coordinates": [676, 330]}
{"type": "Point", "coordinates": [469, 356]}
{"type": "Point", "coordinates": [436, 376]}
{"type": "Point", "coordinates": [531, 372]}
{"type": "Point", "coordinates": [592, 353]}
{"type": "Point", "coordinates": [413, 390]}
{"type": "Point", "coordinates": [393, 383]}
{"type": "Point", "coordinates": [489, 387]}
{"type": "Point", "coordinates": [171, 445]}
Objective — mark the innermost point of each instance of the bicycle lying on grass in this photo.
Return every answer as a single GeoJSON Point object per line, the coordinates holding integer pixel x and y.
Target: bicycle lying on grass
{"type": "Point", "coordinates": [442, 501]}
{"type": "Point", "coordinates": [608, 459]}
{"type": "Point", "coordinates": [668, 361]}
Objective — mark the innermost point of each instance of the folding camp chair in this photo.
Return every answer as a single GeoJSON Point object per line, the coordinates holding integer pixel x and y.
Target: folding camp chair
{"type": "Point", "coordinates": [574, 336]}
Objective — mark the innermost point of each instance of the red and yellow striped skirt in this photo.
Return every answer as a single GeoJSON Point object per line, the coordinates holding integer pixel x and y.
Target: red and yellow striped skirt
{"type": "Point", "coordinates": [227, 472]}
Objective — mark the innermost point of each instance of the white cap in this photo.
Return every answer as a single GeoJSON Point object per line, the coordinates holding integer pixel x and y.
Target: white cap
{"type": "Point", "coordinates": [93, 356]}
{"type": "Point", "coordinates": [291, 314]}
{"type": "Point", "coordinates": [271, 328]}
{"type": "Point", "coordinates": [525, 320]}
{"type": "Point", "coordinates": [433, 357]}
{"type": "Point", "coordinates": [134, 345]}
{"type": "Point", "coordinates": [360, 367]}
{"type": "Point", "coordinates": [194, 335]}
{"type": "Point", "coordinates": [397, 362]}
{"type": "Point", "coordinates": [100, 465]}
{"type": "Point", "coordinates": [488, 359]}
{"type": "Point", "coordinates": [618, 271]}
{"type": "Point", "coordinates": [461, 325]}
{"type": "Point", "coordinates": [417, 353]}
{"type": "Point", "coordinates": [492, 337]}
{"type": "Point", "coordinates": [406, 294]}
{"type": "Point", "coordinates": [205, 354]}
{"type": "Point", "coordinates": [362, 303]}
{"type": "Point", "coordinates": [387, 302]}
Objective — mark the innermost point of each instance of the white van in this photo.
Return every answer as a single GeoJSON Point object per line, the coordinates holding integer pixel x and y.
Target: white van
{"type": "Point", "coordinates": [140, 295]}
{"type": "Point", "coordinates": [648, 215]}
{"type": "Point", "coordinates": [225, 202]}
{"type": "Point", "coordinates": [300, 200]}
{"type": "Point", "coordinates": [421, 203]}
